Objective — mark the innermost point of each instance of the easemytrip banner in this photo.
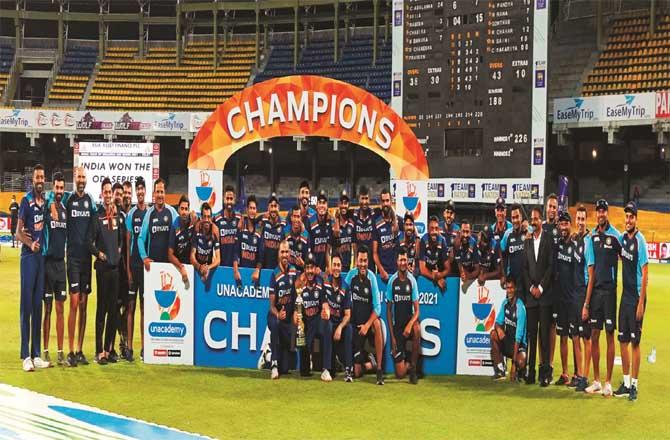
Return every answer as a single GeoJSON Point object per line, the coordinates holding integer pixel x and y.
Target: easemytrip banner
{"type": "Point", "coordinates": [120, 161]}
{"type": "Point", "coordinates": [231, 323]}
{"type": "Point", "coordinates": [168, 316]}
{"type": "Point", "coordinates": [412, 196]}
{"type": "Point", "coordinates": [611, 108]}
{"type": "Point", "coordinates": [478, 307]}
{"type": "Point", "coordinates": [205, 186]}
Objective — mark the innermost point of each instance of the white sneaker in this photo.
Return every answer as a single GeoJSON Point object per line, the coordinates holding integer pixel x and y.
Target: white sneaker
{"type": "Point", "coordinates": [28, 365]}
{"type": "Point", "coordinates": [607, 391]}
{"type": "Point", "coordinates": [325, 376]}
{"type": "Point", "coordinates": [274, 373]}
{"type": "Point", "coordinates": [594, 388]}
{"type": "Point", "coordinates": [39, 363]}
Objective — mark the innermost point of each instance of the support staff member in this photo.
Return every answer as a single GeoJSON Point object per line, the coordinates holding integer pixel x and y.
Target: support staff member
{"type": "Point", "coordinates": [134, 221]}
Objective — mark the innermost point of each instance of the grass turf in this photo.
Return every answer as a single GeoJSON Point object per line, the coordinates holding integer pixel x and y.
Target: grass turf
{"type": "Point", "coordinates": [228, 403]}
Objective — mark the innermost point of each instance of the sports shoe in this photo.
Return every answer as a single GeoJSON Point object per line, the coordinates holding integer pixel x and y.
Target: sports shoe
{"type": "Point", "coordinates": [274, 373]}
{"type": "Point", "coordinates": [573, 381]}
{"type": "Point", "coordinates": [582, 383]}
{"type": "Point", "coordinates": [607, 390]}
{"type": "Point", "coordinates": [81, 359]}
{"type": "Point", "coordinates": [348, 377]}
{"type": "Point", "coordinates": [563, 380]}
{"type": "Point", "coordinates": [28, 365]}
{"type": "Point", "coordinates": [594, 388]}
{"type": "Point", "coordinates": [71, 360]}
{"type": "Point", "coordinates": [101, 360]}
{"type": "Point", "coordinates": [498, 375]}
{"type": "Point", "coordinates": [113, 357]}
{"type": "Point", "coordinates": [623, 391]}
{"type": "Point", "coordinates": [39, 363]}
{"type": "Point", "coordinates": [129, 355]}
{"type": "Point", "coordinates": [61, 359]}
{"type": "Point", "coordinates": [632, 396]}
{"type": "Point", "coordinates": [380, 377]}
{"type": "Point", "coordinates": [413, 379]}
{"type": "Point", "coordinates": [325, 376]}
{"type": "Point", "coordinates": [46, 356]}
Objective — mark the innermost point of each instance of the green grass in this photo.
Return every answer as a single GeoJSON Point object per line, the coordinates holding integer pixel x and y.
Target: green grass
{"type": "Point", "coordinates": [229, 403]}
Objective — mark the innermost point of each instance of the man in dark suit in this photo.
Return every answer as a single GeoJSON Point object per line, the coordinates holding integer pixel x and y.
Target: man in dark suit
{"type": "Point", "coordinates": [538, 261]}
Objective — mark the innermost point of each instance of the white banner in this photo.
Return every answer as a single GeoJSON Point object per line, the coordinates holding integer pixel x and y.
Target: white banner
{"type": "Point", "coordinates": [5, 224]}
{"type": "Point", "coordinates": [196, 120]}
{"type": "Point", "coordinates": [205, 186]}
{"type": "Point", "coordinates": [168, 315]}
{"type": "Point", "coordinates": [477, 310]}
{"type": "Point", "coordinates": [120, 161]}
{"type": "Point", "coordinates": [485, 190]}
{"type": "Point", "coordinates": [412, 196]}
{"type": "Point", "coordinates": [629, 107]}
{"type": "Point", "coordinates": [582, 109]}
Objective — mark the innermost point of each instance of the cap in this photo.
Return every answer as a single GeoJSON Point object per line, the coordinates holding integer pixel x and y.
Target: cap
{"type": "Point", "coordinates": [500, 203]}
{"type": "Point", "coordinates": [602, 204]}
{"type": "Point", "coordinates": [322, 196]}
{"type": "Point", "coordinates": [564, 216]}
{"type": "Point", "coordinates": [450, 206]}
{"type": "Point", "coordinates": [310, 259]}
{"type": "Point", "coordinates": [273, 198]}
{"type": "Point", "coordinates": [344, 195]}
{"type": "Point", "coordinates": [631, 207]}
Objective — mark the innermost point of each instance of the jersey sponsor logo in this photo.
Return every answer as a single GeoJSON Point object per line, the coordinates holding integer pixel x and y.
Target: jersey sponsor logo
{"type": "Point", "coordinates": [157, 229]}
{"type": "Point", "coordinates": [58, 225]}
{"type": "Point", "coordinates": [75, 213]}
{"type": "Point", "coordinates": [627, 255]}
{"type": "Point", "coordinates": [515, 249]}
{"type": "Point", "coordinates": [402, 298]}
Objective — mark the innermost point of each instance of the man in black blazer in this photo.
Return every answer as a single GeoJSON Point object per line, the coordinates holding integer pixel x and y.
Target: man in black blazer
{"type": "Point", "coordinates": [537, 275]}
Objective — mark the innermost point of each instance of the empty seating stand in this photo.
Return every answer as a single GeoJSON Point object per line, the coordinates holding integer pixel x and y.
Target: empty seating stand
{"type": "Point", "coordinates": [155, 82]}
{"type": "Point", "coordinates": [354, 65]}
{"type": "Point", "coordinates": [75, 70]}
{"type": "Point", "coordinates": [634, 60]}
{"type": "Point", "coordinates": [6, 59]}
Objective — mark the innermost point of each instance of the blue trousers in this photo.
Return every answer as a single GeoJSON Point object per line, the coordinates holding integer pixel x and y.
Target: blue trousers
{"type": "Point", "coordinates": [32, 292]}
{"type": "Point", "coordinates": [344, 347]}
{"type": "Point", "coordinates": [317, 328]}
{"type": "Point", "coordinates": [281, 338]}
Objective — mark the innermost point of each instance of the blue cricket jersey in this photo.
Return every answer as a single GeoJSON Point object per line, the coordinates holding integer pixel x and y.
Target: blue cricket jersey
{"type": "Point", "coordinates": [154, 237]}
{"type": "Point", "coordinates": [634, 258]}
{"type": "Point", "coordinates": [80, 213]}
{"type": "Point", "coordinates": [512, 318]}
{"type": "Point", "coordinates": [134, 221]}
{"type": "Point", "coordinates": [606, 250]}
{"type": "Point", "coordinates": [32, 215]}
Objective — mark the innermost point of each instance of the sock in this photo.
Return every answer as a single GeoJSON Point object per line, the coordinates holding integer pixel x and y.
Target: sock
{"type": "Point", "coordinates": [626, 380]}
{"type": "Point", "coordinates": [501, 367]}
{"type": "Point", "coordinates": [60, 351]}
{"type": "Point", "coordinates": [634, 382]}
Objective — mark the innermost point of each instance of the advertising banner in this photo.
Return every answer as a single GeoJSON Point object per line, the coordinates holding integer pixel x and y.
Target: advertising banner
{"type": "Point", "coordinates": [478, 307]}
{"type": "Point", "coordinates": [658, 252]}
{"type": "Point", "coordinates": [628, 107]}
{"type": "Point", "coordinates": [205, 186]}
{"type": "Point", "coordinates": [168, 316]}
{"type": "Point", "coordinates": [120, 161]}
{"type": "Point", "coordinates": [5, 224]}
{"type": "Point", "coordinates": [485, 190]}
{"type": "Point", "coordinates": [582, 109]}
{"type": "Point", "coordinates": [412, 196]}
{"type": "Point", "coordinates": [663, 104]}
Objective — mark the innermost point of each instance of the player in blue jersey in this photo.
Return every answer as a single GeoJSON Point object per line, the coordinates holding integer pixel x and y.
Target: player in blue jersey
{"type": "Point", "coordinates": [450, 230]}
{"type": "Point", "coordinates": [564, 291]}
{"type": "Point", "coordinates": [272, 231]}
{"type": "Point", "coordinates": [298, 240]}
{"type": "Point", "coordinates": [134, 265]}
{"type": "Point", "coordinates": [321, 233]}
{"type": "Point", "coordinates": [364, 223]}
{"type": "Point", "coordinates": [339, 303]}
{"type": "Point", "coordinates": [409, 239]}
{"type": "Point", "coordinates": [508, 338]}
{"type": "Point", "coordinates": [81, 208]}
{"type": "Point", "coordinates": [489, 258]}
{"type": "Point", "coordinates": [343, 232]}
{"type": "Point", "coordinates": [204, 247]}
{"type": "Point", "coordinates": [366, 311]}
{"type": "Point", "coordinates": [466, 255]}
{"type": "Point", "coordinates": [600, 304]}
{"type": "Point", "coordinates": [512, 247]}
{"type": "Point", "coordinates": [29, 231]}
{"type": "Point", "coordinates": [501, 225]}
{"type": "Point", "coordinates": [402, 316]}
{"type": "Point", "coordinates": [228, 222]}
{"type": "Point", "coordinates": [280, 316]}
{"type": "Point", "coordinates": [385, 238]}
{"type": "Point", "coordinates": [249, 251]}
{"type": "Point", "coordinates": [635, 274]}
{"type": "Point", "coordinates": [55, 235]}
{"type": "Point", "coordinates": [306, 211]}
{"type": "Point", "coordinates": [433, 258]}
{"type": "Point", "coordinates": [181, 238]}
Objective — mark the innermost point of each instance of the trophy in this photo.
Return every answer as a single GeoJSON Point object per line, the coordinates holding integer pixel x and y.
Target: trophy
{"type": "Point", "coordinates": [300, 335]}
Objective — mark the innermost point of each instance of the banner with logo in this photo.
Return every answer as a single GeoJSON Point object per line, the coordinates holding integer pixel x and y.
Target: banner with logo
{"type": "Point", "coordinates": [478, 307]}
{"type": "Point", "coordinates": [5, 224]}
{"type": "Point", "coordinates": [205, 186]}
{"type": "Point", "coordinates": [658, 252]}
{"type": "Point", "coordinates": [663, 104]}
{"type": "Point", "coordinates": [581, 109]}
{"type": "Point", "coordinates": [485, 190]}
{"type": "Point", "coordinates": [120, 161]}
{"type": "Point", "coordinates": [412, 196]}
{"type": "Point", "coordinates": [628, 107]}
{"type": "Point", "coordinates": [168, 315]}
{"type": "Point", "coordinates": [197, 119]}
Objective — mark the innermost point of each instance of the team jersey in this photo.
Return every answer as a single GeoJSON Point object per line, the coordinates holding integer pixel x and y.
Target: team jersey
{"type": "Point", "coordinates": [282, 286]}
{"type": "Point", "coordinates": [134, 221]}
{"type": "Point", "coordinates": [339, 298]}
{"type": "Point", "coordinates": [363, 229]}
{"type": "Point", "coordinates": [402, 294]}
{"type": "Point", "coordinates": [634, 258]}
{"type": "Point", "coordinates": [583, 259]}
{"type": "Point", "coordinates": [364, 296]}
{"type": "Point", "coordinates": [80, 211]}
{"type": "Point", "coordinates": [299, 246]}
{"type": "Point", "coordinates": [511, 248]}
{"type": "Point", "coordinates": [249, 248]}
{"type": "Point", "coordinates": [409, 243]}
{"type": "Point", "coordinates": [205, 246]}
{"type": "Point", "coordinates": [512, 318]}
{"type": "Point", "coordinates": [342, 243]}
{"type": "Point", "coordinates": [497, 233]}
{"type": "Point", "coordinates": [306, 215]}
{"type": "Point", "coordinates": [320, 237]}
{"type": "Point", "coordinates": [489, 258]}
{"type": "Point", "coordinates": [228, 228]}
{"type": "Point", "coordinates": [467, 256]}
{"type": "Point", "coordinates": [565, 271]}
{"type": "Point", "coordinates": [434, 254]}
{"type": "Point", "coordinates": [606, 250]}
{"type": "Point", "coordinates": [55, 228]}
{"type": "Point", "coordinates": [450, 232]}
{"type": "Point", "coordinates": [32, 215]}
{"type": "Point", "coordinates": [154, 237]}
{"type": "Point", "coordinates": [181, 239]}
{"type": "Point", "coordinates": [313, 297]}
{"type": "Point", "coordinates": [272, 234]}
{"type": "Point", "coordinates": [387, 244]}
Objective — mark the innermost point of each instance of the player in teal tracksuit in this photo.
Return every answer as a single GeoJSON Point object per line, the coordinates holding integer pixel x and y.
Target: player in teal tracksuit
{"type": "Point", "coordinates": [508, 338]}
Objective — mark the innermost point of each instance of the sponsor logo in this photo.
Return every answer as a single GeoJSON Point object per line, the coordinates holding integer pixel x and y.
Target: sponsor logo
{"type": "Point", "coordinates": [627, 110]}
{"type": "Point", "coordinates": [525, 191]}
{"type": "Point", "coordinates": [463, 190]}
{"type": "Point", "coordinates": [575, 112]}
{"type": "Point", "coordinates": [14, 120]}
{"type": "Point", "coordinates": [126, 122]}
{"type": "Point", "coordinates": [88, 122]}
{"type": "Point", "coordinates": [169, 123]}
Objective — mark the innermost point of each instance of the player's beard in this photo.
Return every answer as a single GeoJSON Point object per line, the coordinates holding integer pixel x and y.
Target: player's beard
{"type": "Point", "coordinates": [304, 201]}
{"type": "Point", "coordinates": [81, 187]}
{"type": "Point", "coordinates": [229, 207]}
{"type": "Point", "coordinates": [386, 210]}
{"type": "Point", "coordinates": [39, 187]}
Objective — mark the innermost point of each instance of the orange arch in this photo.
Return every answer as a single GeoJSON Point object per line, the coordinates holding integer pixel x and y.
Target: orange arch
{"type": "Point", "coordinates": [308, 106]}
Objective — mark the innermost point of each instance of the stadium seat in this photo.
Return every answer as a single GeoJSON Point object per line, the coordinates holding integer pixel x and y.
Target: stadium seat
{"type": "Point", "coordinates": [75, 70]}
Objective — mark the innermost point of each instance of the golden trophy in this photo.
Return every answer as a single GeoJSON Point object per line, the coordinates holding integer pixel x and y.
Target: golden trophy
{"type": "Point", "coordinates": [300, 334]}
